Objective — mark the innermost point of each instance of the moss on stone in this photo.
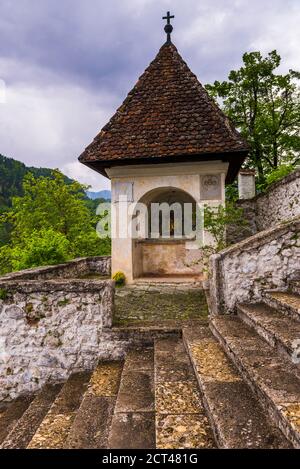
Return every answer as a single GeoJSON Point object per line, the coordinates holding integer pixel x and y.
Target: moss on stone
{"type": "Point", "coordinates": [3, 294]}
{"type": "Point", "coordinates": [64, 302]}
{"type": "Point", "coordinates": [146, 305]}
{"type": "Point", "coordinates": [33, 317]}
{"type": "Point", "coordinates": [28, 308]}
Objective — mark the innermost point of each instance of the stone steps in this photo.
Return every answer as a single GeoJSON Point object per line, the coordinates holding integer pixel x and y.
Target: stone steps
{"type": "Point", "coordinates": [76, 414]}
{"type": "Point", "coordinates": [286, 302]}
{"type": "Point", "coordinates": [237, 419]}
{"type": "Point", "coordinates": [55, 427]}
{"type": "Point", "coordinates": [133, 423]}
{"type": "Point", "coordinates": [279, 330]}
{"type": "Point", "coordinates": [144, 335]}
{"type": "Point", "coordinates": [26, 426]}
{"type": "Point", "coordinates": [180, 419]}
{"type": "Point", "coordinates": [11, 413]}
{"type": "Point", "coordinates": [90, 428]}
{"type": "Point", "coordinates": [273, 378]}
{"type": "Point", "coordinates": [178, 392]}
{"type": "Point", "coordinates": [165, 283]}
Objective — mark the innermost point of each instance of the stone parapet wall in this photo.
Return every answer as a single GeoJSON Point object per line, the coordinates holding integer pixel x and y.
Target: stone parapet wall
{"type": "Point", "coordinates": [100, 265]}
{"type": "Point", "coordinates": [267, 260]}
{"type": "Point", "coordinates": [279, 203]}
{"type": "Point", "coordinates": [52, 328]}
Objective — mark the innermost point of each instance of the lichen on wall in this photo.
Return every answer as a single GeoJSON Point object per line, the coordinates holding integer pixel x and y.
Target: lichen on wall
{"type": "Point", "coordinates": [52, 328]}
{"type": "Point", "coordinates": [77, 268]}
{"type": "Point", "coordinates": [280, 203]}
{"type": "Point", "coordinates": [242, 272]}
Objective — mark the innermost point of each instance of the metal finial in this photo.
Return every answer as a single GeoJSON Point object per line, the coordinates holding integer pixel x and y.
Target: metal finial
{"type": "Point", "coordinates": [168, 27]}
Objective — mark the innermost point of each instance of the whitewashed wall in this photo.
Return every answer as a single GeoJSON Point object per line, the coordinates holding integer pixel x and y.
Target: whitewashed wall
{"type": "Point", "coordinates": [242, 272]}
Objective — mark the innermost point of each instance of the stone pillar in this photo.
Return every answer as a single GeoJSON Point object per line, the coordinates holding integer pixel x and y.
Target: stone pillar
{"type": "Point", "coordinates": [246, 183]}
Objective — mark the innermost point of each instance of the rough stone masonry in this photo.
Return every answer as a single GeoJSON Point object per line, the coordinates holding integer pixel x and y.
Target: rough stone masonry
{"type": "Point", "coordinates": [52, 328]}
{"type": "Point", "coordinates": [268, 260]}
{"type": "Point", "coordinates": [281, 202]}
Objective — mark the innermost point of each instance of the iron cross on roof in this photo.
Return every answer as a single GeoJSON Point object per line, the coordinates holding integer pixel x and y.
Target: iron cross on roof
{"type": "Point", "coordinates": [168, 27]}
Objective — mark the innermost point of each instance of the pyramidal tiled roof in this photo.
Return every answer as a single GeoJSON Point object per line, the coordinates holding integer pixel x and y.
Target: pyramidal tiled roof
{"type": "Point", "coordinates": [167, 113]}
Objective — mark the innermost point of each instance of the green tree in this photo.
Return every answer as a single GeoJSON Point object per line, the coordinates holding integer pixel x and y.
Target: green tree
{"type": "Point", "coordinates": [217, 219]}
{"type": "Point", "coordinates": [265, 107]}
{"type": "Point", "coordinates": [48, 202]}
{"type": "Point", "coordinates": [50, 223]}
{"type": "Point", "coordinates": [43, 247]}
{"type": "Point", "coordinates": [12, 174]}
{"type": "Point", "coordinates": [278, 173]}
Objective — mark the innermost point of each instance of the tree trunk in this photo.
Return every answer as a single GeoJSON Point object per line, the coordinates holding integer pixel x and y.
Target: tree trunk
{"type": "Point", "coordinates": [259, 166]}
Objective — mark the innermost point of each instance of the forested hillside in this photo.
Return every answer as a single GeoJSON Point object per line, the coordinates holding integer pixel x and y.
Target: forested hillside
{"type": "Point", "coordinates": [18, 183]}
{"type": "Point", "coordinates": [51, 222]}
{"type": "Point", "coordinates": [12, 173]}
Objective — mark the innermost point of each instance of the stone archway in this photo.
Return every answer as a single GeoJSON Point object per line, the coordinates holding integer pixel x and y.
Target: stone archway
{"type": "Point", "coordinates": [158, 255]}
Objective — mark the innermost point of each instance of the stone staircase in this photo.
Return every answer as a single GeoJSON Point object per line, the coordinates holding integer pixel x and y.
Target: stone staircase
{"type": "Point", "coordinates": [176, 392]}
{"type": "Point", "coordinates": [236, 416]}
{"type": "Point", "coordinates": [263, 343]}
{"type": "Point", "coordinates": [148, 401]}
{"type": "Point", "coordinates": [181, 385]}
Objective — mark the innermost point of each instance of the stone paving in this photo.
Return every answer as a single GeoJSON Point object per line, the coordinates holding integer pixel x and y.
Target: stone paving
{"type": "Point", "coordinates": [135, 304]}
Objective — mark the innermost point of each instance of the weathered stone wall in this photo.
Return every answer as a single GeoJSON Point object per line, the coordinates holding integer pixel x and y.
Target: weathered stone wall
{"type": "Point", "coordinates": [267, 260]}
{"type": "Point", "coordinates": [280, 203]}
{"type": "Point", "coordinates": [100, 265]}
{"type": "Point", "coordinates": [51, 328]}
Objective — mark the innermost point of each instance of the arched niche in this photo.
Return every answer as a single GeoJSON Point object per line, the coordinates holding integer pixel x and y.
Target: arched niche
{"type": "Point", "coordinates": [155, 254]}
{"type": "Point", "coordinates": [180, 203]}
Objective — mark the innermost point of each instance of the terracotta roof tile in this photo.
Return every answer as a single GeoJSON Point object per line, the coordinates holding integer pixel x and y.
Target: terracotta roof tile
{"type": "Point", "coordinates": [167, 113]}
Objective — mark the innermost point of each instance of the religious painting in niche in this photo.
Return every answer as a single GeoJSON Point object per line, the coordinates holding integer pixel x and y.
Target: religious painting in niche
{"type": "Point", "coordinates": [173, 207]}
{"type": "Point", "coordinates": [122, 191]}
{"type": "Point", "coordinates": [210, 187]}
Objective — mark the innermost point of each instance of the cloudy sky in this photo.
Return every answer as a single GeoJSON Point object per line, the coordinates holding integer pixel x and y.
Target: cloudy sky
{"type": "Point", "coordinates": [68, 64]}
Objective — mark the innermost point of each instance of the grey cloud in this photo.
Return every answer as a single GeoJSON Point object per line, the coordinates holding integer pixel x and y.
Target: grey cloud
{"type": "Point", "coordinates": [68, 64]}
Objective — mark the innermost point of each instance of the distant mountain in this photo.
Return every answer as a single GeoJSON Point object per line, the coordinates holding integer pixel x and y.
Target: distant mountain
{"type": "Point", "coordinates": [99, 195]}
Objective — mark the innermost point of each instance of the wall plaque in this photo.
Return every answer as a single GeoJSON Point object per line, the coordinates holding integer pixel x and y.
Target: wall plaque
{"type": "Point", "coordinates": [210, 187]}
